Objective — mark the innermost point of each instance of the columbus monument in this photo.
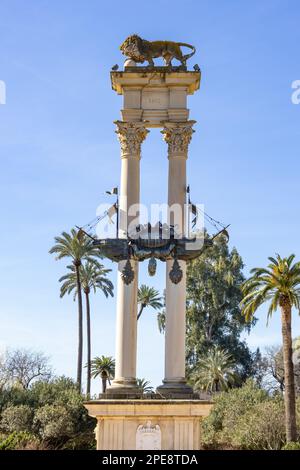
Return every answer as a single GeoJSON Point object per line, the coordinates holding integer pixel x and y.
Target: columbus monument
{"type": "Point", "coordinates": [153, 97]}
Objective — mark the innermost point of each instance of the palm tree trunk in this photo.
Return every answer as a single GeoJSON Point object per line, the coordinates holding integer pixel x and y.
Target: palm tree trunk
{"type": "Point", "coordinates": [88, 335]}
{"type": "Point", "coordinates": [140, 312]}
{"type": "Point", "coordinates": [289, 394]}
{"type": "Point", "coordinates": [104, 380]}
{"type": "Point", "coordinates": [79, 356]}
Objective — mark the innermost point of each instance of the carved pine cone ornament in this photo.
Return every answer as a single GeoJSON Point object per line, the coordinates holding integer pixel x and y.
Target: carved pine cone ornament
{"type": "Point", "coordinates": [127, 273]}
{"type": "Point", "coordinates": [176, 273]}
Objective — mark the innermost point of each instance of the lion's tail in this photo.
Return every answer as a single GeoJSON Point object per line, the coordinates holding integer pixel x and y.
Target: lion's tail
{"type": "Point", "coordinates": [187, 56]}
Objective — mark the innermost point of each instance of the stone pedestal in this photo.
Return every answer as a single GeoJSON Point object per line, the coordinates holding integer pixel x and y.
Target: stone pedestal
{"type": "Point", "coordinates": [148, 424]}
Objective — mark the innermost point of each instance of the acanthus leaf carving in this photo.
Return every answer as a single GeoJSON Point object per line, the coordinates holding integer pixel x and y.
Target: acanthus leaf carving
{"type": "Point", "coordinates": [178, 136]}
{"type": "Point", "coordinates": [131, 135]}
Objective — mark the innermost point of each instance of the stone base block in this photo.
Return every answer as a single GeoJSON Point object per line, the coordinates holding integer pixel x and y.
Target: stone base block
{"type": "Point", "coordinates": [176, 390]}
{"type": "Point", "coordinates": [148, 424]}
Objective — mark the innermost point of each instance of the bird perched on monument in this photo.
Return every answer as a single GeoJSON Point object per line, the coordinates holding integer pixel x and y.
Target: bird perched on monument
{"type": "Point", "coordinates": [115, 67]}
{"type": "Point", "coordinates": [196, 68]}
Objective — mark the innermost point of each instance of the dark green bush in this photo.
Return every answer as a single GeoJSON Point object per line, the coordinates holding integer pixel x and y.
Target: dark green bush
{"type": "Point", "coordinates": [53, 422]}
{"type": "Point", "coordinates": [16, 418]}
{"type": "Point", "coordinates": [261, 428]}
{"type": "Point", "coordinates": [247, 418]}
{"type": "Point", "coordinates": [52, 410]}
{"type": "Point", "coordinates": [229, 406]}
{"type": "Point", "coordinates": [291, 446]}
{"type": "Point", "coordinates": [17, 441]}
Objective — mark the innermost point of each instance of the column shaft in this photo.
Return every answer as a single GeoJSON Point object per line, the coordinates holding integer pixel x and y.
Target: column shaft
{"type": "Point", "coordinates": [178, 136]}
{"type": "Point", "coordinates": [131, 136]}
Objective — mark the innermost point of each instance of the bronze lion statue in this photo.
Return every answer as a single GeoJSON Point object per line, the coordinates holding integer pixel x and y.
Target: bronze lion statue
{"type": "Point", "coordinates": [139, 50]}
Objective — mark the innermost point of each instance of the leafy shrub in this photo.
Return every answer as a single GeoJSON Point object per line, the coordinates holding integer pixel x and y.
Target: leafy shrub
{"type": "Point", "coordinates": [53, 410]}
{"type": "Point", "coordinates": [15, 396]}
{"type": "Point", "coordinates": [261, 427]}
{"type": "Point", "coordinates": [291, 446]}
{"type": "Point", "coordinates": [81, 441]}
{"type": "Point", "coordinates": [16, 418]}
{"type": "Point", "coordinates": [60, 390]}
{"type": "Point", "coordinates": [218, 427]}
{"type": "Point", "coordinates": [17, 441]}
{"type": "Point", "coordinates": [53, 422]}
{"type": "Point", "coordinates": [247, 418]}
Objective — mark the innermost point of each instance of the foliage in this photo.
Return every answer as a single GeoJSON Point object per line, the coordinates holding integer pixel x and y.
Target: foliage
{"type": "Point", "coordinates": [18, 441]}
{"type": "Point", "coordinates": [61, 390]}
{"type": "Point", "coordinates": [213, 313]}
{"type": "Point", "coordinates": [16, 418]}
{"type": "Point", "coordinates": [144, 386]}
{"type": "Point", "coordinates": [161, 321]}
{"type": "Point", "coordinates": [93, 276]}
{"type": "Point", "coordinates": [103, 367]}
{"type": "Point", "coordinates": [75, 245]}
{"type": "Point", "coordinates": [14, 396]}
{"type": "Point", "coordinates": [246, 418]}
{"type": "Point", "coordinates": [53, 422]}
{"type": "Point", "coordinates": [278, 284]}
{"type": "Point", "coordinates": [279, 281]}
{"type": "Point", "coordinates": [227, 409]}
{"type": "Point", "coordinates": [60, 419]}
{"type": "Point", "coordinates": [262, 427]}
{"type": "Point", "coordinates": [148, 297]}
{"type": "Point", "coordinates": [291, 446]}
{"type": "Point", "coordinates": [214, 372]}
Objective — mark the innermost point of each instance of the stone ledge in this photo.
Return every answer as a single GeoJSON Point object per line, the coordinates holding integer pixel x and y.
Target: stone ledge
{"type": "Point", "coordinates": [141, 401]}
{"type": "Point", "coordinates": [108, 408]}
{"type": "Point", "coordinates": [157, 77]}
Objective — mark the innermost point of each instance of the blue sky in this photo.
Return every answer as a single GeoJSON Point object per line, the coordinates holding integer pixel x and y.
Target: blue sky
{"type": "Point", "coordinates": [59, 152]}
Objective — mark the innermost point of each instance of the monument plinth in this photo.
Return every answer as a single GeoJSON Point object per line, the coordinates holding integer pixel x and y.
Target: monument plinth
{"type": "Point", "coordinates": [148, 424]}
{"type": "Point", "coordinates": [152, 97]}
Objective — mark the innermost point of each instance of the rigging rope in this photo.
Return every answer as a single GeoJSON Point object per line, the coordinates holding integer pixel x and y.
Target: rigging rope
{"type": "Point", "coordinates": [90, 226]}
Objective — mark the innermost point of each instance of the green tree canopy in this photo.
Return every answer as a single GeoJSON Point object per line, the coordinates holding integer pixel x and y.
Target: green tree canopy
{"type": "Point", "coordinates": [214, 372]}
{"type": "Point", "coordinates": [214, 316]}
{"type": "Point", "coordinates": [103, 367]}
{"type": "Point", "coordinates": [144, 386]}
{"type": "Point", "coordinates": [148, 297]}
{"type": "Point", "coordinates": [278, 284]}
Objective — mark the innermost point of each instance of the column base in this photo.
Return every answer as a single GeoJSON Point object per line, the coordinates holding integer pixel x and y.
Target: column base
{"type": "Point", "coordinates": [176, 388]}
{"type": "Point", "coordinates": [123, 388]}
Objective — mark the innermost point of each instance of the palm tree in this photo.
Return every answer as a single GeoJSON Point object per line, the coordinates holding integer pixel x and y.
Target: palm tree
{"type": "Point", "coordinates": [105, 368]}
{"type": "Point", "coordinates": [144, 386]}
{"type": "Point", "coordinates": [77, 246]}
{"type": "Point", "coordinates": [214, 372]}
{"type": "Point", "coordinates": [92, 277]}
{"type": "Point", "coordinates": [279, 284]}
{"type": "Point", "coordinates": [148, 297]}
{"type": "Point", "coordinates": [161, 321]}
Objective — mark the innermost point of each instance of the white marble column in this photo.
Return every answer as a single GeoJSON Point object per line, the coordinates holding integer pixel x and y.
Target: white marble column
{"type": "Point", "coordinates": [131, 136]}
{"type": "Point", "coordinates": [177, 136]}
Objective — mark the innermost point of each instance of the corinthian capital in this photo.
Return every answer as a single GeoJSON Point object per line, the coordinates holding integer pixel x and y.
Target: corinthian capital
{"type": "Point", "coordinates": [178, 136]}
{"type": "Point", "coordinates": [131, 136]}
